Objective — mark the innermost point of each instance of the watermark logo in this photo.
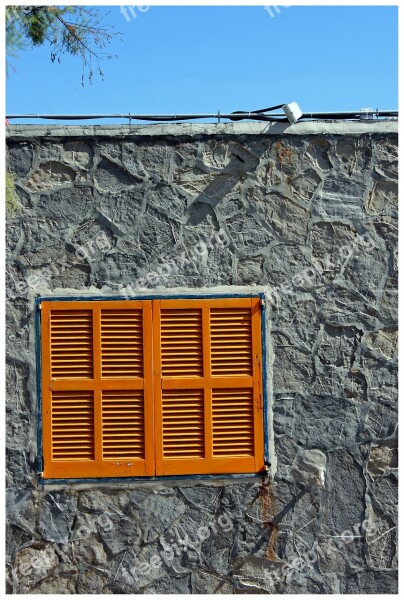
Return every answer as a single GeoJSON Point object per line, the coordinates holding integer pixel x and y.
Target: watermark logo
{"type": "Point", "coordinates": [133, 10]}
{"type": "Point", "coordinates": [171, 265]}
{"type": "Point", "coordinates": [274, 10]}
{"type": "Point", "coordinates": [308, 559]}
{"type": "Point", "coordinates": [181, 543]}
{"type": "Point", "coordinates": [311, 275]}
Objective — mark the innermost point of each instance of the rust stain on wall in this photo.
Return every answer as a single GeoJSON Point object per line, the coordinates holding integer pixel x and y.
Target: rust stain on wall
{"type": "Point", "coordinates": [266, 498]}
{"type": "Point", "coordinates": [284, 154]}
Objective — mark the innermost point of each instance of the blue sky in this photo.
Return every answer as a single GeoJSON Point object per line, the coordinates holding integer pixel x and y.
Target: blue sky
{"type": "Point", "coordinates": [201, 59]}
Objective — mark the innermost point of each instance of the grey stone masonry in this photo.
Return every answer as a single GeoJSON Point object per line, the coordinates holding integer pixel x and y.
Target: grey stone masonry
{"type": "Point", "coordinates": [307, 214]}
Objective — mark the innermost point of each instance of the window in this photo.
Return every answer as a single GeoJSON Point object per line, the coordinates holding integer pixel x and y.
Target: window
{"type": "Point", "coordinates": [140, 388]}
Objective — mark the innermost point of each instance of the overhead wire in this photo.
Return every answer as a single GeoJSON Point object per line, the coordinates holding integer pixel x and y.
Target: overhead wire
{"type": "Point", "coordinates": [257, 115]}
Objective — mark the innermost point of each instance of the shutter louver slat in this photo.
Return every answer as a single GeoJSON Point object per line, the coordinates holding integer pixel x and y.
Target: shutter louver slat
{"type": "Point", "coordinates": [236, 437]}
{"type": "Point", "coordinates": [121, 343]}
{"type": "Point", "coordinates": [72, 426]}
{"type": "Point", "coordinates": [123, 424]}
{"type": "Point", "coordinates": [71, 344]}
{"type": "Point", "coordinates": [183, 431]}
{"type": "Point", "coordinates": [181, 343]}
{"type": "Point", "coordinates": [231, 348]}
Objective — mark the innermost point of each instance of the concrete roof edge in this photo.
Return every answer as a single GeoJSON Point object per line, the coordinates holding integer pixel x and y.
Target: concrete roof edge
{"type": "Point", "coordinates": [27, 131]}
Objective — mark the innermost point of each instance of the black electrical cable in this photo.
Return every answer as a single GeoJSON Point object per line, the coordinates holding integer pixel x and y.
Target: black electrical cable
{"type": "Point", "coordinates": [257, 112]}
{"type": "Point", "coordinates": [257, 115]}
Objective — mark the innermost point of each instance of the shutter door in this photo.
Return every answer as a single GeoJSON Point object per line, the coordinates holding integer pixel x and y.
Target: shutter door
{"type": "Point", "coordinates": [97, 400]}
{"type": "Point", "coordinates": [208, 388]}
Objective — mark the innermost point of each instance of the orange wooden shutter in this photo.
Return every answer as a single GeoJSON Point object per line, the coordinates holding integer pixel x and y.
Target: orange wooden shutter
{"type": "Point", "coordinates": [97, 389]}
{"type": "Point", "coordinates": [208, 386]}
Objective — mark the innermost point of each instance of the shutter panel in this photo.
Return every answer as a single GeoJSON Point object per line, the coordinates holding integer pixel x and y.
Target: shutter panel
{"type": "Point", "coordinates": [71, 344]}
{"type": "Point", "coordinates": [181, 343]}
{"type": "Point", "coordinates": [72, 426]}
{"type": "Point", "coordinates": [123, 435]}
{"type": "Point", "coordinates": [233, 422]}
{"type": "Point", "coordinates": [231, 341]}
{"type": "Point", "coordinates": [208, 386]}
{"type": "Point", "coordinates": [122, 343]}
{"type": "Point", "coordinates": [183, 423]}
{"type": "Point", "coordinates": [97, 400]}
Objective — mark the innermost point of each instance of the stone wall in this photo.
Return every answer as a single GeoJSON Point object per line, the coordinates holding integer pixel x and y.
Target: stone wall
{"type": "Point", "coordinates": [308, 214]}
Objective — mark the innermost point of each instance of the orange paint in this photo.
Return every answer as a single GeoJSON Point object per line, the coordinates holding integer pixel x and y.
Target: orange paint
{"type": "Point", "coordinates": [89, 418]}
{"type": "Point", "coordinates": [142, 388]}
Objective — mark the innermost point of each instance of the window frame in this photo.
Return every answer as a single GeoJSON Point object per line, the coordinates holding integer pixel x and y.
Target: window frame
{"type": "Point", "coordinates": [142, 297]}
